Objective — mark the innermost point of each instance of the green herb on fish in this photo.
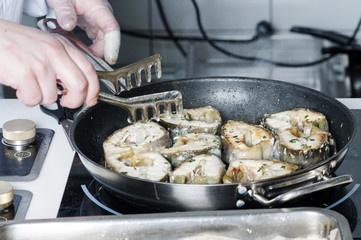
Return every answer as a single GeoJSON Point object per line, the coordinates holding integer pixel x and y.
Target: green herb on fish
{"type": "Point", "coordinates": [305, 146]}
{"type": "Point", "coordinates": [294, 140]}
{"type": "Point", "coordinates": [187, 118]}
{"type": "Point", "coordinates": [261, 167]}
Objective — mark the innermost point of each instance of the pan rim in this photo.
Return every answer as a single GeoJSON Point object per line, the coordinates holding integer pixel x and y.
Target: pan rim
{"type": "Point", "coordinates": [234, 78]}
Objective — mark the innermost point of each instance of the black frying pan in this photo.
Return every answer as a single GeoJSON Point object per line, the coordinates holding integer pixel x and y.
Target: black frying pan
{"type": "Point", "coordinates": [237, 98]}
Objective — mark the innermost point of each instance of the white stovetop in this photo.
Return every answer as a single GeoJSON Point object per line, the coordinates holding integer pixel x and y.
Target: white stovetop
{"type": "Point", "coordinates": [48, 188]}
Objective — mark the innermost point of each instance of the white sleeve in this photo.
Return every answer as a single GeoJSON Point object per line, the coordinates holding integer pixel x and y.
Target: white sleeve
{"type": "Point", "coordinates": [11, 10]}
{"type": "Point", "coordinates": [36, 8]}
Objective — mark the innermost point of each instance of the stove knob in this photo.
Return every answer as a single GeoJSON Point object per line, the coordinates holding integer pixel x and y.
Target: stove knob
{"type": "Point", "coordinates": [19, 132]}
{"type": "Point", "coordinates": [6, 194]}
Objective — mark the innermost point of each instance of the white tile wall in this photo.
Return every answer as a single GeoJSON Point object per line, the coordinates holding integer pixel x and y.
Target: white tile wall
{"type": "Point", "coordinates": [216, 14]}
{"type": "Point", "coordinates": [133, 14]}
{"type": "Point", "coordinates": [229, 18]}
{"type": "Point", "coordinates": [326, 14]}
{"type": "Point", "coordinates": [226, 17]}
{"type": "Point", "coordinates": [240, 14]}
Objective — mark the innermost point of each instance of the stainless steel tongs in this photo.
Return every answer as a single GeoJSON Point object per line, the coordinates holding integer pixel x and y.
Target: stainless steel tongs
{"type": "Point", "coordinates": [120, 79]}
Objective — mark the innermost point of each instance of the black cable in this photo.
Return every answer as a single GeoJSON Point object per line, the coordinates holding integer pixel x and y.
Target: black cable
{"type": "Point", "coordinates": [354, 33]}
{"type": "Point", "coordinates": [224, 51]}
{"type": "Point", "coordinates": [186, 38]}
{"type": "Point", "coordinates": [167, 28]}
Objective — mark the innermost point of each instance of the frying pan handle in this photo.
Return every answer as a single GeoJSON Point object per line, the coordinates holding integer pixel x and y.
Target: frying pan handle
{"type": "Point", "coordinates": [301, 191]}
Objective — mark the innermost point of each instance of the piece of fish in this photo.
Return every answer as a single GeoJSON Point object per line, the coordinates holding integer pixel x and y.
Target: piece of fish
{"type": "Point", "coordinates": [200, 169]}
{"type": "Point", "coordinates": [302, 136]}
{"type": "Point", "coordinates": [137, 138]}
{"type": "Point", "coordinates": [150, 166]}
{"type": "Point", "coordinates": [196, 120]}
{"type": "Point", "coordinates": [304, 151]}
{"type": "Point", "coordinates": [302, 119]}
{"type": "Point", "coordinates": [246, 141]}
{"type": "Point", "coordinates": [248, 170]}
{"type": "Point", "coordinates": [192, 144]}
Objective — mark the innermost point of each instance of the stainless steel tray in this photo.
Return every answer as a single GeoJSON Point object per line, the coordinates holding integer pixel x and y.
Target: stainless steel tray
{"type": "Point", "coordinates": [235, 224]}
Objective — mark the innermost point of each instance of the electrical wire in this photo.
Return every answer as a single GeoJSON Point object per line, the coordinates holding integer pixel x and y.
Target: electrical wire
{"type": "Point", "coordinates": [234, 55]}
{"type": "Point", "coordinates": [94, 200]}
{"type": "Point", "coordinates": [352, 39]}
{"type": "Point", "coordinates": [348, 195]}
{"type": "Point", "coordinates": [212, 41]}
{"type": "Point", "coordinates": [168, 29]}
{"type": "Point", "coordinates": [187, 38]}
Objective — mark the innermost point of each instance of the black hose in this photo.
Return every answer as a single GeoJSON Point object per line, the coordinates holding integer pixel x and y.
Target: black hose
{"type": "Point", "coordinates": [234, 55]}
{"type": "Point", "coordinates": [186, 38]}
{"type": "Point", "coordinates": [354, 33]}
{"type": "Point", "coordinates": [168, 29]}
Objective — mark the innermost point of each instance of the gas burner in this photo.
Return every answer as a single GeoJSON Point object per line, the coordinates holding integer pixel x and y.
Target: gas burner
{"type": "Point", "coordinates": [119, 205]}
{"type": "Point", "coordinates": [19, 132]}
{"type": "Point", "coordinates": [13, 203]}
{"type": "Point", "coordinates": [75, 203]}
{"type": "Point", "coordinates": [17, 210]}
{"type": "Point", "coordinates": [23, 149]}
{"type": "Point", "coordinates": [112, 201]}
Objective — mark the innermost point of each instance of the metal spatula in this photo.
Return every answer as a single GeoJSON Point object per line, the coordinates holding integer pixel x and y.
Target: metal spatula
{"type": "Point", "coordinates": [120, 79]}
{"type": "Point", "coordinates": [134, 69]}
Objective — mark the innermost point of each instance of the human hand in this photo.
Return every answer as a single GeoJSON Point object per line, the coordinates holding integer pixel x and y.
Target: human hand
{"type": "Point", "coordinates": [33, 62]}
{"type": "Point", "coordinates": [95, 17]}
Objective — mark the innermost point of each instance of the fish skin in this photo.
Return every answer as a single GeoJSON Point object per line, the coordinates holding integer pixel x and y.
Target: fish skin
{"type": "Point", "coordinates": [192, 144]}
{"type": "Point", "coordinates": [241, 140]}
{"type": "Point", "coordinates": [131, 141]}
{"type": "Point", "coordinates": [200, 169]}
{"type": "Point", "coordinates": [248, 170]}
{"type": "Point", "coordinates": [149, 166]}
{"type": "Point", "coordinates": [195, 120]}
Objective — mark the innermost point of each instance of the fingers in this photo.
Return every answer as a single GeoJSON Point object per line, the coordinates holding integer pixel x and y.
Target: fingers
{"type": "Point", "coordinates": [32, 61]}
{"type": "Point", "coordinates": [99, 23]}
{"type": "Point", "coordinates": [107, 40]}
{"type": "Point", "coordinates": [111, 46]}
{"type": "Point", "coordinates": [65, 13]}
{"type": "Point", "coordinates": [107, 47]}
{"type": "Point", "coordinates": [46, 80]}
{"type": "Point", "coordinates": [79, 79]}
{"type": "Point", "coordinates": [29, 92]}
{"type": "Point", "coordinates": [35, 84]}
{"type": "Point", "coordinates": [110, 28]}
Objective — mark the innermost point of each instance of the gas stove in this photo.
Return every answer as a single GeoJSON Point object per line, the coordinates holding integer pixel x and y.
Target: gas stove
{"type": "Point", "coordinates": [43, 184]}
{"type": "Point", "coordinates": [64, 188]}
{"type": "Point", "coordinates": [83, 196]}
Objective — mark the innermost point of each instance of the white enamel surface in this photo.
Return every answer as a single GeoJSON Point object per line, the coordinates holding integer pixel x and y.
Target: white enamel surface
{"type": "Point", "coordinates": [48, 188]}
